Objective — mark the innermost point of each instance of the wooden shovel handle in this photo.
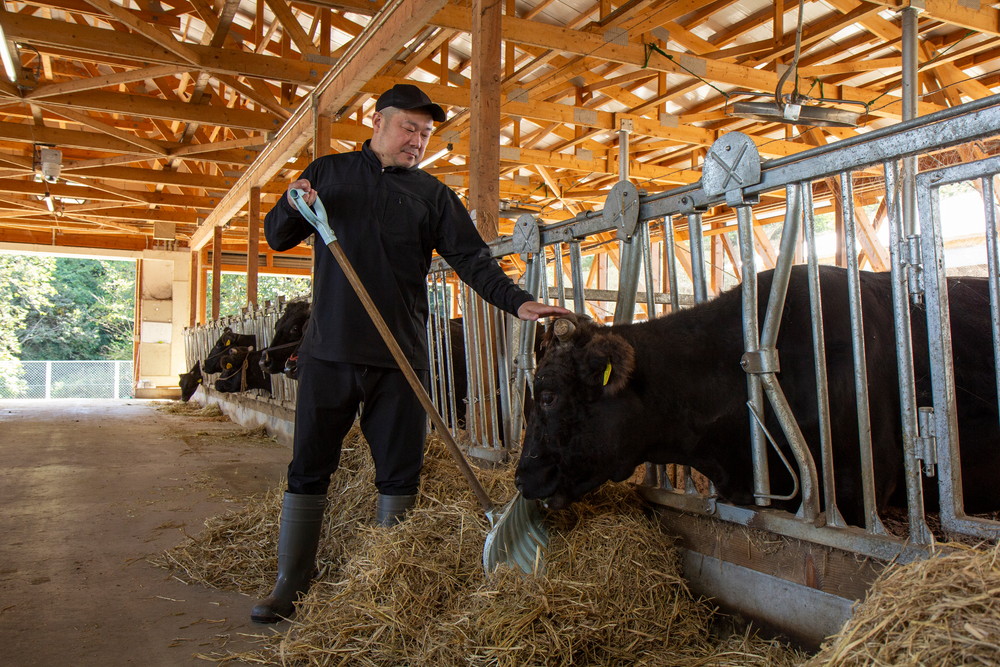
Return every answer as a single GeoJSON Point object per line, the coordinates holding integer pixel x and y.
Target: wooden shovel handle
{"type": "Point", "coordinates": [411, 376]}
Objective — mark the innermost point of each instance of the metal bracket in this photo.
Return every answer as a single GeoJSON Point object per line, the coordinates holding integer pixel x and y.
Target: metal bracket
{"type": "Point", "coordinates": [621, 209]}
{"type": "Point", "coordinates": [527, 238]}
{"type": "Point", "coordinates": [914, 270]}
{"type": "Point", "coordinates": [686, 205]}
{"type": "Point", "coordinates": [926, 442]}
{"type": "Point", "coordinates": [732, 163]}
{"type": "Point", "coordinates": [760, 361]}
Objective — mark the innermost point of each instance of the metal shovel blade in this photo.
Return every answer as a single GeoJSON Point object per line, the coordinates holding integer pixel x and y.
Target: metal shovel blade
{"type": "Point", "coordinates": [517, 537]}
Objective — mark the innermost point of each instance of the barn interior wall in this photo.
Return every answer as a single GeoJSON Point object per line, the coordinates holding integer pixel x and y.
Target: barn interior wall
{"type": "Point", "coordinates": [162, 313]}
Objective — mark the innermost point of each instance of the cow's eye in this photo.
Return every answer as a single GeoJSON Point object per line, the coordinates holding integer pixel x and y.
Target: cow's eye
{"type": "Point", "coordinates": [547, 398]}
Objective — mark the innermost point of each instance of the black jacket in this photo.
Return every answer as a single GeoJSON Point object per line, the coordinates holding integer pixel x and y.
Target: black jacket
{"type": "Point", "coordinates": [388, 222]}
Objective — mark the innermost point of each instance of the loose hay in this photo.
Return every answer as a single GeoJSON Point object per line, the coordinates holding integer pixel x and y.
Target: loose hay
{"type": "Point", "coordinates": [191, 409]}
{"type": "Point", "coordinates": [415, 594]}
{"type": "Point", "coordinates": [941, 611]}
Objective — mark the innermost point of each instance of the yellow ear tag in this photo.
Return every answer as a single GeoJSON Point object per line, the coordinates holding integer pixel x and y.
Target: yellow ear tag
{"type": "Point", "coordinates": [228, 366]}
{"type": "Point", "coordinates": [607, 373]}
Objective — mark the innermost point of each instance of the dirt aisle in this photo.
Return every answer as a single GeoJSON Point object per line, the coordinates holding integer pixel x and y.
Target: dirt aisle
{"type": "Point", "coordinates": [89, 489]}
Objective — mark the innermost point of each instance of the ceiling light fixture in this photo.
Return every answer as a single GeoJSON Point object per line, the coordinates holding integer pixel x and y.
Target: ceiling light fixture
{"type": "Point", "coordinates": [795, 108]}
{"type": "Point", "coordinates": [10, 57]}
{"type": "Point", "coordinates": [434, 158]}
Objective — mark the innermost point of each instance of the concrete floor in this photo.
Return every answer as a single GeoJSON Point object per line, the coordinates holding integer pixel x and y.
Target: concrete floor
{"type": "Point", "coordinates": [89, 489]}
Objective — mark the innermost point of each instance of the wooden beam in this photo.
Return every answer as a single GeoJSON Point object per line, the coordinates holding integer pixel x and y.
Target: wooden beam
{"type": "Point", "coordinates": [153, 33]}
{"type": "Point", "coordinates": [979, 16]}
{"type": "Point", "coordinates": [216, 271]}
{"type": "Point", "coordinates": [253, 246]}
{"type": "Point", "coordinates": [291, 26]}
{"type": "Point", "coordinates": [121, 48]}
{"type": "Point", "coordinates": [381, 39]}
{"type": "Point", "coordinates": [95, 82]}
{"type": "Point", "coordinates": [94, 124]}
{"type": "Point", "coordinates": [484, 174]}
{"type": "Point", "coordinates": [150, 107]}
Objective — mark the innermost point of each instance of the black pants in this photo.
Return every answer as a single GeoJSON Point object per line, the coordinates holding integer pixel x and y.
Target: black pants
{"type": "Point", "coordinates": [392, 420]}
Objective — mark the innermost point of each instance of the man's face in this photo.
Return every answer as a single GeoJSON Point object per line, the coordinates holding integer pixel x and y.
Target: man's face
{"type": "Point", "coordinates": [400, 136]}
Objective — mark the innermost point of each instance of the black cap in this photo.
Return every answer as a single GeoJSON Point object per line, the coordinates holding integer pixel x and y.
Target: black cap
{"type": "Point", "coordinates": [408, 96]}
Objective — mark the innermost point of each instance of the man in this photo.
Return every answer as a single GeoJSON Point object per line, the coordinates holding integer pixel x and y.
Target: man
{"type": "Point", "coordinates": [388, 216]}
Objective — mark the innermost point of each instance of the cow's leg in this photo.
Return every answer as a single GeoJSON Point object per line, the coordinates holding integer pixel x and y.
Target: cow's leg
{"type": "Point", "coordinates": [298, 541]}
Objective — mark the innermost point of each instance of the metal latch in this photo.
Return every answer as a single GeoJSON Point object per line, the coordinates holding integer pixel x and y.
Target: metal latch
{"type": "Point", "coordinates": [925, 445]}
{"type": "Point", "coordinates": [914, 270]}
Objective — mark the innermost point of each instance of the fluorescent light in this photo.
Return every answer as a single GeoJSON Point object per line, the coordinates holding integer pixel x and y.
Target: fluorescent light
{"type": "Point", "coordinates": [8, 53]}
{"type": "Point", "coordinates": [50, 203]}
{"type": "Point", "coordinates": [434, 158]}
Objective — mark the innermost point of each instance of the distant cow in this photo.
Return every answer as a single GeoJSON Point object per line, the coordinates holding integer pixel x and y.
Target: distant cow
{"type": "Point", "coordinates": [241, 371]}
{"type": "Point", "coordinates": [190, 381]}
{"type": "Point", "coordinates": [671, 390]}
{"type": "Point", "coordinates": [280, 355]}
{"type": "Point", "coordinates": [227, 340]}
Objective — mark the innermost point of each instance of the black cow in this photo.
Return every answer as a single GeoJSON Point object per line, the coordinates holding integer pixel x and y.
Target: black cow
{"type": "Point", "coordinates": [228, 339]}
{"type": "Point", "coordinates": [241, 371]}
{"type": "Point", "coordinates": [672, 391]}
{"type": "Point", "coordinates": [280, 356]}
{"type": "Point", "coordinates": [190, 381]}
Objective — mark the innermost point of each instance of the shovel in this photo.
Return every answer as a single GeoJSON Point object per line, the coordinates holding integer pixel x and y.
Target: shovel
{"type": "Point", "coordinates": [517, 535]}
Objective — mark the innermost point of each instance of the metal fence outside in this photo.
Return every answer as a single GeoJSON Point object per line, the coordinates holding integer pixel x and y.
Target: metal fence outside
{"type": "Point", "coordinates": [65, 379]}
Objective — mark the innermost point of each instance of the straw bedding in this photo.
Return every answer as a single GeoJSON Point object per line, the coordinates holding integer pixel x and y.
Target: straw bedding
{"type": "Point", "coordinates": [941, 611]}
{"type": "Point", "coordinates": [415, 594]}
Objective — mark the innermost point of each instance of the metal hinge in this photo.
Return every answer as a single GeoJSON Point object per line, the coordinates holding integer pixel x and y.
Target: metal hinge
{"type": "Point", "coordinates": [925, 445]}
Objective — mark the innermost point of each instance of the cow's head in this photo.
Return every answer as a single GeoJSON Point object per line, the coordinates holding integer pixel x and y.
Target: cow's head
{"type": "Point", "coordinates": [577, 435]}
{"type": "Point", "coordinates": [228, 339]}
{"type": "Point", "coordinates": [288, 331]}
{"type": "Point", "coordinates": [190, 381]}
{"type": "Point", "coordinates": [241, 371]}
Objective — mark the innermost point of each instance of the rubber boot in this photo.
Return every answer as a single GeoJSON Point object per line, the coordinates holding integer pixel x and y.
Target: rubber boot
{"type": "Point", "coordinates": [392, 509]}
{"type": "Point", "coordinates": [298, 541]}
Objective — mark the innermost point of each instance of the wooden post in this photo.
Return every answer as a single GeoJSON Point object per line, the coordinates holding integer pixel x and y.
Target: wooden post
{"type": "Point", "coordinates": [484, 180]}
{"type": "Point", "coordinates": [321, 136]}
{"type": "Point", "coordinates": [195, 275]}
{"type": "Point", "coordinates": [216, 272]}
{"type": "Point", "coordinates": [253, 246]}
{"type": "Point", "coordinates": [484, 176]}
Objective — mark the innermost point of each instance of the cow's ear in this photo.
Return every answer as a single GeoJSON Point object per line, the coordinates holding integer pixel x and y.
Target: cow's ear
{"type": "Point", "coordinates": [612, 360]}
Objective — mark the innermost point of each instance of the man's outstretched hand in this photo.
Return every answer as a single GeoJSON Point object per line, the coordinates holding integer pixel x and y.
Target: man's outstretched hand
{"type": "Point", "coordinates": [533, 310]}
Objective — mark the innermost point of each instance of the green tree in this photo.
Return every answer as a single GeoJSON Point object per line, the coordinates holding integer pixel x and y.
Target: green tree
{"type": "Point", "coordinates": [87, 312]}
{"type": "Point", "coordinates": [233, 290]}
{"type": "Point", "coordinates": [25, 288]}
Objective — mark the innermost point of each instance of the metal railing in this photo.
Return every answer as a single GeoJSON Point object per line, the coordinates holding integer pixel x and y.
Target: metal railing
{"type": "Point", "coordinates": [66, 379]}
{"type": "Point", "coordinates": [734, 177]}
{"type": "Point", "coordinates": [499, 351]}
